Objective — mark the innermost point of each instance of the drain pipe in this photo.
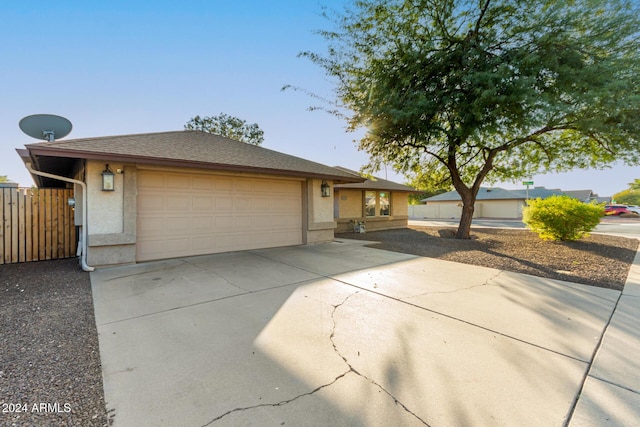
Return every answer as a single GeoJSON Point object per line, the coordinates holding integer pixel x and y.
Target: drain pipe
{"type": "Point", "coordinates": [83, 255]}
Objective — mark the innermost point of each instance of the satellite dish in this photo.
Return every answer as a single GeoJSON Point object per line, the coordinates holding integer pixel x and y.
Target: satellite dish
{"type": "Point", "coordinates": [45, 126]}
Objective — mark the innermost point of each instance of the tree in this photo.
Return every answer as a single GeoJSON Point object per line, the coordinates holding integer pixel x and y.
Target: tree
{"type": "Point", "coordinates": [487, 89]}
{"type": "Point", "coordinates": [630, 196]}
{"type": "Point", "coordinates": [428, 183]}
{"type": "Point", "coordinates": [229, 127]}
{"type": "Point", "coordinates": [3, 178]}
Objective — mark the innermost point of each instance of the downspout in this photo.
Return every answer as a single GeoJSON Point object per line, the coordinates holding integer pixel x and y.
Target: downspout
{"type": "Point", "coordinates": [83, 255]}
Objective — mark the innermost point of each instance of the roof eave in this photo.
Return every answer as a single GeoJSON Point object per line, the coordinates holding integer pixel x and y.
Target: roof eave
{"type": "Point", "coordinates": [35, 150]}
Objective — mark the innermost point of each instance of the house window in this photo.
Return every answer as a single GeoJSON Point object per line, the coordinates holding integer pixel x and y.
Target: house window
{"type": "Point", "coordinates": [370, 203]}
{"type": "Point", "coordinates": [377, 203]}
{"type": "Point", "coordinates": [385, 203]}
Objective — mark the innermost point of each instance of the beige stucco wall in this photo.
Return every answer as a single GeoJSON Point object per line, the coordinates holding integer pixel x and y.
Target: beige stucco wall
{"type": "Point", "coordinates": [111, 215]}
{"type": "Point", "coordinates": [349, 203]}
{"type": "Point", "coordinates": [320, 224]}
{"type": "Point", "coordinates": [399, 204]}
{"type": "Point", "coordinates": [105, 207]}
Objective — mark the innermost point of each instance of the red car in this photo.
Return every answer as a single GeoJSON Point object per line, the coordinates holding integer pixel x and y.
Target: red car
{"type": "Point", "coordinates": [616, 210]}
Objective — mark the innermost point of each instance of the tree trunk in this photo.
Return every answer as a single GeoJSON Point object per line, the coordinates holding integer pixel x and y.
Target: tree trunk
{"type": "Point", "coordinates": [464, 228]}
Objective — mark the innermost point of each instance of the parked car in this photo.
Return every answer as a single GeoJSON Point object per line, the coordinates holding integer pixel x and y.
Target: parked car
{"type": "Point", "coordinates": [616, 209]}
{"type": "Point", "coordinates": [633, 208]}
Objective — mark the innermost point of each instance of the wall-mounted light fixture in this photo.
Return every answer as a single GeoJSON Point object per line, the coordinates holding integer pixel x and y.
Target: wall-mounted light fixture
{"type": "Point", "coordinates": [325, 190]}
{"type": "Point", "coordinates": [107, 179]}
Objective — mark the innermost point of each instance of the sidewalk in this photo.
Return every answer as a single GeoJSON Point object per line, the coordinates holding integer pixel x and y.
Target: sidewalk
{"type": "Point", "coordinates": [611, 393]}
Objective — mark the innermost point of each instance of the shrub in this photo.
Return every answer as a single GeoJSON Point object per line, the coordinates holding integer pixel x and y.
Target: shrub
{"type": "Point", "coordinates": [562, 217]}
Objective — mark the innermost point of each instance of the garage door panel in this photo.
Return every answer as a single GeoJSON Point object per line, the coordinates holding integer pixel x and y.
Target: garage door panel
{"type": "Point", "coordinates": [262, 204]}
{"type": "Point", "coordinates": [183, 214]}
{"type": "Point", "coordinates": [222, 184]}
{"type": "Point", "coordinates": [203, 203]}
{"type": "Point", "coordinates": [151, 180]}
{"type": "Point", "coordinates": [202, 224]}
{"type": "Point", "coordinates": [150, 226]}
{"type": "Point", "coordinates": [202, 182]}
{"type": "Point", "coordinates": [242, 223]}
{"type": "Point", "coordinates": [223, 203]}
{"type": "Point", "coordinates": [176, 226]}
{"type": "Point", "coordinates": [243, 184]}
{"type": "Point", "coordinates": [286, 221]}
{"type": "Point", "coordinates": [178, 181]}
{"type": "Point", "coordinates": [260, 222]}
{"type": "Point", "coordinates": [288, 204]}
{"type": "Point", "coordinates": [243, 203]}
{"type": "Point", "coordinates": [150, 202]}
{"type": "Point", "coordinates": [176, 202]}
{"type": "Point", "coordinates": [264, 186]}
{"type": "Point", "coordinates": [223, 222]}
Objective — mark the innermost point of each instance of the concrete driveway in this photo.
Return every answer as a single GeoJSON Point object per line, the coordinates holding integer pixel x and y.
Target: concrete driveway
{"type": "Point", "coordinates": [343, 335]}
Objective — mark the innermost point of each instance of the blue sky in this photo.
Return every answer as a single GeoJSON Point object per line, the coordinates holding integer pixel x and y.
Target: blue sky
{"type": "Point", "coordinates": [119, 67]}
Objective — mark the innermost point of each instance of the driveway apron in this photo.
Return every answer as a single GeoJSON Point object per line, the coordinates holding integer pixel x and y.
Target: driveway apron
{"type": "Point", "coordinates": [345, 335]}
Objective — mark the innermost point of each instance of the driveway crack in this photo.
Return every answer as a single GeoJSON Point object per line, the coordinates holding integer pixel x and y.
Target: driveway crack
{"type": "Point", "coordinates": [486, 283]}
{"type": "Point", "coordinates": [355, 371]}
{"type": "Point", "coordinates": [281, 403]}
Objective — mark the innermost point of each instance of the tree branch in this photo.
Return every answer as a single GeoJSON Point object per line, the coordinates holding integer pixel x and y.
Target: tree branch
{"type": "Point", "coordinates": [476, 30]}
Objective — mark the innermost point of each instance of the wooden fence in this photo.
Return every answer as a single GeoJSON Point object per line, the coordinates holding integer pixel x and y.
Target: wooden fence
{"type": "Point", "coordinates": [37, 224]}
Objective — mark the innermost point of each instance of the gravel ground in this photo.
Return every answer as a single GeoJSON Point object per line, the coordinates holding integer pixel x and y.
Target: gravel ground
{"type": "Point", "coordinates": [50, 372]}
{"type": "Point", "coordinates": [598, 260]}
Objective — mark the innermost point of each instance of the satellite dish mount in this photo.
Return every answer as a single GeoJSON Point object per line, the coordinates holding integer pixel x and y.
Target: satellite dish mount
{"type": "Point", "coordinates": [47, 127]}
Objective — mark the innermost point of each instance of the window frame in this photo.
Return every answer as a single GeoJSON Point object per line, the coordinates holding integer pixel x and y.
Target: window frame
{"type": "Point", "coordinates": [376, 208]}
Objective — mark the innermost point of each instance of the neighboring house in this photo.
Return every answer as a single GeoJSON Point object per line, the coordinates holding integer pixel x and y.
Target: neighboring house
{"type": "Point", "coordinates": [185, 193]}
{"type": "Point", "coordinates": [380, 204]}
{"type": "Point", "coordinates": [491, 202]}
{"type": "Point", "coordinates": [583, 195]}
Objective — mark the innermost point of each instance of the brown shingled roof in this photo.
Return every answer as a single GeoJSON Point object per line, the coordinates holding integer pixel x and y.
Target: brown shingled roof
{"type": "Point", "coordinates": [375, 184]}
{"type": "Point", "coordinates": [190, 149]}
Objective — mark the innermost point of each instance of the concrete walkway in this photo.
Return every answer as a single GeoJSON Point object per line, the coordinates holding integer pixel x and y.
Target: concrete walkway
{"type": "Point", "coordinates": [342, 335]}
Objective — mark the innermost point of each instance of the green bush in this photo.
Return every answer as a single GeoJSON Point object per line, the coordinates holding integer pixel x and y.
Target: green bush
{"type": "Point", "coordinates": [562, 217]}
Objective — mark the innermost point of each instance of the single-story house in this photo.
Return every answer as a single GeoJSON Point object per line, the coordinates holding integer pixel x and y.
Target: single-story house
{"type": "Point", "coordinates": [491, 202]}
{"type": "Point", "coordinates": [376, 202]}
{"type": "Point", "coordinates": [173, 194]}
{"type": "Point", "coordinates": [587, 196]}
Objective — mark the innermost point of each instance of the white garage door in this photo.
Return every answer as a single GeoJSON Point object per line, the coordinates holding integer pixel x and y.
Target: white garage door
{"type": "Point", "coordinates": [183, 214]}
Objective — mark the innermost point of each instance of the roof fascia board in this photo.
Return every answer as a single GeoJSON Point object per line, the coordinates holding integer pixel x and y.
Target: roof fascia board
{"type": "Point", "coordinates": [36, 150]}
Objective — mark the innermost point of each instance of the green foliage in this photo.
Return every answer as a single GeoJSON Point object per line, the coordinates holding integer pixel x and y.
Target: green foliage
{"type": "Point", "coordinates": [429, 183]}
{"type": "Point", "coordinates": [229, 127]}
{"type": "Point", "coordinates": [562, 217]}
{"type": "Point", "coordinates": [497, 89]}
{"type": "Point", "coordinates": [628, 197]}
{"type": "Point", "coordinates": [3, 178]}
